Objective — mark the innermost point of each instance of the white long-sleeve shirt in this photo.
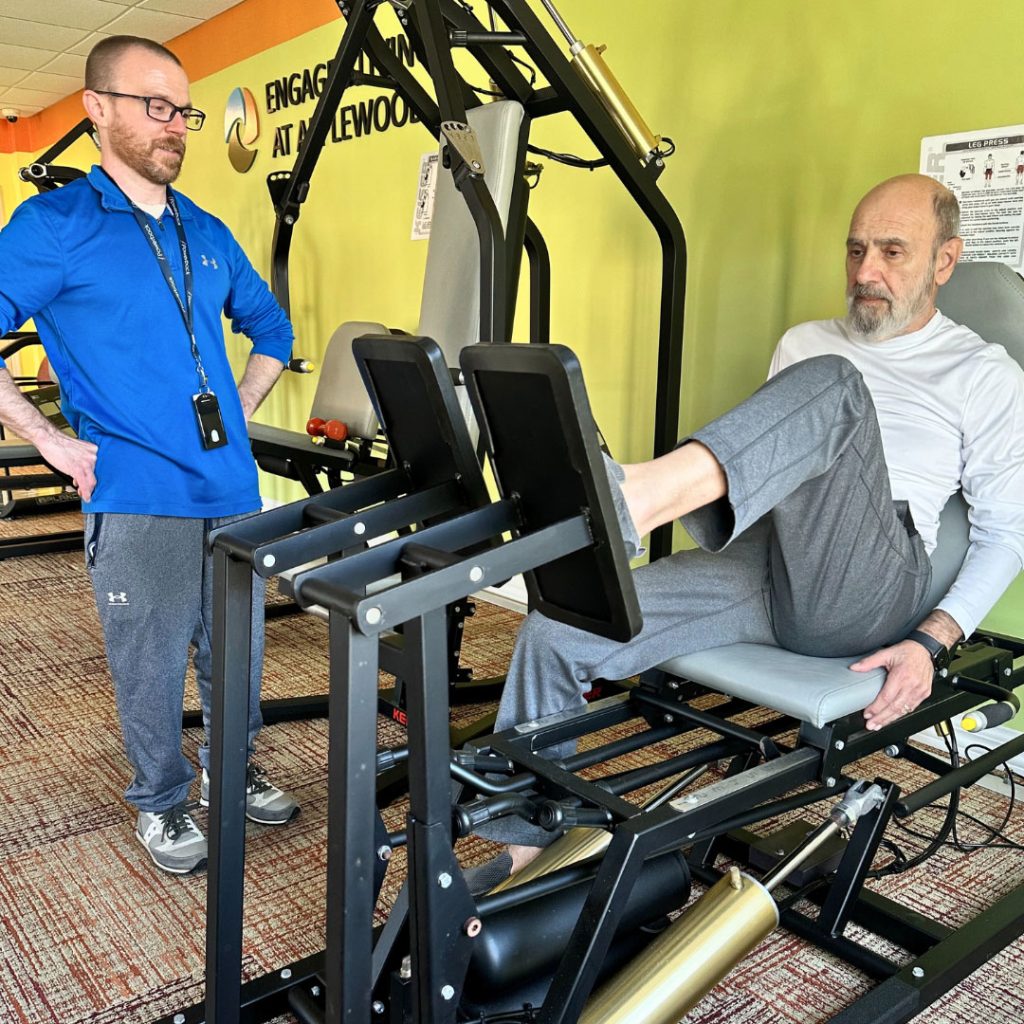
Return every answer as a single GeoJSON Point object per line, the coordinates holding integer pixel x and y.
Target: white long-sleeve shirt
{"type": "Point", "coordinates": [951, 412]}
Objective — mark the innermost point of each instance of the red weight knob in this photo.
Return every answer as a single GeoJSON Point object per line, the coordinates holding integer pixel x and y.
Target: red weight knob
{"type": "Point", "coordinates": [335, 430]}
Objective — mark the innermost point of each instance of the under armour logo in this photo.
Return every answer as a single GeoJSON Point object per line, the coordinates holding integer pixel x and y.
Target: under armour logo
{"type": "Point", "coordinates": [208, 262]}
{"type": "Point", "coordinates": [121, 598]}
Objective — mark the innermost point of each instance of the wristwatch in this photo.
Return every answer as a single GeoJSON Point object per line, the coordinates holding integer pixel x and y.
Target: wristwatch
{"type": "Point", "coordinates": [938, 650]}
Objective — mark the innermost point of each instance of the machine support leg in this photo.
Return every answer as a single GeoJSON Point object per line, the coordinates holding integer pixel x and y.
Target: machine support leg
{"type": "Point", "coordinates": [229, 741]}
{"type": "Point", "coordinates": [845, 890]}
{"type": "Point", "coordinates": [440, 901]}
{"type": "Point", "coordinates": [351, 811]}
{"type": "Point", "coordinates": [577, 972]}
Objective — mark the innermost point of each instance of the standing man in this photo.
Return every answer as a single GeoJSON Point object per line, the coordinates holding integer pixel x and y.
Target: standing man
{"type": "Point", "coordinates": [127, 280]}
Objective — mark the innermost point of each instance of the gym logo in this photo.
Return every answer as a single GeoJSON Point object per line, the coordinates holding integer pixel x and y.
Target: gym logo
{"type": "Point", "coordinates": [241, 129]}
{"type": "Point", "coordinates": [121, 598]}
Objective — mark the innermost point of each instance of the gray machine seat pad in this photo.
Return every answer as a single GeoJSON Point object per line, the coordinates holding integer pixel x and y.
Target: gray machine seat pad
{"type": "Point", "coordinates": [814, 690]}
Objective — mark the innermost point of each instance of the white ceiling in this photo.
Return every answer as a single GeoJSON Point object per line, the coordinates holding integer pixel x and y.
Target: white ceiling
{"type": "Point", "coordinates": [44, 43]}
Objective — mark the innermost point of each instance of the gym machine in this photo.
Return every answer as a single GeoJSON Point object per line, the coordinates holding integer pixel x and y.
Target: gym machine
{"type": "Point", "coordinates": [579, 84]}
{"type": "Point", "coordinates": [470, 266]}
{"type": "Point", "coordinates": [16, 455]}
{"type": "Point", "coordinates": [580, 935]}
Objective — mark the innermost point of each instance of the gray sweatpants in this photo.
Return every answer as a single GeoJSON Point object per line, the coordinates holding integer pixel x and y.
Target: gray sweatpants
{"type": "Point", "coordinates": [808, 552]}
{"type": "Point", "coordinates": [153, 581]}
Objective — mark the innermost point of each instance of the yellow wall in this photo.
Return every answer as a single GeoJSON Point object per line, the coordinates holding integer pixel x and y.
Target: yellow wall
{"type": "Point", "coordinates": [784, 112]}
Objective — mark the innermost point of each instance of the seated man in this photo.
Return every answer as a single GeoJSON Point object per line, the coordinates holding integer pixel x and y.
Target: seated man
{"type": "Point", "coordinates": [791, 495]}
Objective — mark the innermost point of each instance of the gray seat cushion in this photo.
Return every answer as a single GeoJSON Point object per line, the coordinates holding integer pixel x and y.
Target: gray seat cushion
{"type": "Point", "coordinates": [815, 690]}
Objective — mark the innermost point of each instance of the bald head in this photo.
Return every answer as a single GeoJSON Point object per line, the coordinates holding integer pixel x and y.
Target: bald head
{"type": "Point", "coordinates": [918, 192]}
{"type": "Point", "coordinates": [903, 245]}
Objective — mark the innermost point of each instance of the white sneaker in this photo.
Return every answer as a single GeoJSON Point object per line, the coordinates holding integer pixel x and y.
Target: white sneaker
{"type": "Point", "coordinates": [173, 841]}
{"type": "Point", "coordinates": [264, 802]}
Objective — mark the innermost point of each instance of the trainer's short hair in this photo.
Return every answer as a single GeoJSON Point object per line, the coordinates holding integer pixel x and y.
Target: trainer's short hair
{"type": "Point", "coordinates": [947, 216]}
{"type": "Point", "coordinates": [102, 61]}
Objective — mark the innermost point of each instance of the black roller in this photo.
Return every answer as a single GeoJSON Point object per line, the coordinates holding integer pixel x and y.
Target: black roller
{"type": "Point", "coordinates": [520, 945]}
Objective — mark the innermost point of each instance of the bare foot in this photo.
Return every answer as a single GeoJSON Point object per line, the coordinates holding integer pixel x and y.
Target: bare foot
{"type": "Point", "coordinates": [668, 487]}
{"type": "Point", "coordinates": [522, 855]}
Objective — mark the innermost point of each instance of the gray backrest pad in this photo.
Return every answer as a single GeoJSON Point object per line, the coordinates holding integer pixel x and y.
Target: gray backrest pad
{"type": "Point", "coordinates": [450, 310]}
{"type": "Point", "coordinates": [340, 394]}
{"type": "Point", "coordinates": [988, 298]}
{"type": "Point", "coordinates": [450, 307]}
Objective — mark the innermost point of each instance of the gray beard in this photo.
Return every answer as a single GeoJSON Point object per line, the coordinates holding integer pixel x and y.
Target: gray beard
{"type": "Point", "coordinates": [872, 326]}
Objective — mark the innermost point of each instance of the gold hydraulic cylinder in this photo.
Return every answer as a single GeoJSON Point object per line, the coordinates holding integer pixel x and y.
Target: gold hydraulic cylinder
{"type": "Point", "coordinates": [590, 65]}
{"type": "Point", "coordinates": [687, 960]}
{"type": "Point", "coordinates": [589, 62]}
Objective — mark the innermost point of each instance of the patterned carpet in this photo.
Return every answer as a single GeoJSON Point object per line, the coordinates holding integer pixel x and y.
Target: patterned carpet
{"type": "Point", "coordinates": [90, 932]}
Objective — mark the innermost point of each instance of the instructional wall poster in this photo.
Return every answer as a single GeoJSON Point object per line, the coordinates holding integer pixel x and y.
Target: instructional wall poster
{"type": "Point", "coordinates": [985, 169]}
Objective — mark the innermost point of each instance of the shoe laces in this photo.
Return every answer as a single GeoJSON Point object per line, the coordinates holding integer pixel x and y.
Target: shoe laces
{"type": "Point", "coordinates": [177, 821]}
{"type": "Point", "coordinates": [256, 780]}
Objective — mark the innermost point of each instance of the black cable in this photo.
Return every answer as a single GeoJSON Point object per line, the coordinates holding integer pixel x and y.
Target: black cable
{"type": "Point", "coordinates": [994, 832]}
{"type": "Point", "coordinates": [569, 159]}
{"type": "Point", "coordinates": [526, 64]}
{"type": "Point", "coordinates": [486, 92]}
{"type": "Point", "coordinates": [936, 842]}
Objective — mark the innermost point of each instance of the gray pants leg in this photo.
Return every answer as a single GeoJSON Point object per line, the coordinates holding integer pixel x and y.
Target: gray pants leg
{"type": "Point", "coordinates": [848, 572]}
{"type": "Point", "coordinates": [808, 551]}
{"type": "Point", "coordinates": [152, 577]}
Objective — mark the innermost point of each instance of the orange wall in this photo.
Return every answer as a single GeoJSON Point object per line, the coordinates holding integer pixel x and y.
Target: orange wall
{"type": "Point", "coordinates": [240, 32]}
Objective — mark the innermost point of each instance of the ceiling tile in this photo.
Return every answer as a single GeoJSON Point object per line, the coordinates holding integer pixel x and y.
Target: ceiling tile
{"type": "Point", "coordinates": [26, 57]}
{"type": "Point", "coordinates": [72, 64]}
{"type": "Point", "coordinates": [88, 43]}
{"type": "Point", "coordinates": [16, 96]}
{"type": "Point", "coordinates": [62, 85]}
{"type": "Point", "coordinates": [8, 76]}
{"type": "Point", "coordinates": [38, 35]}
{"type": "Point", "coordinates": [152, 24]}
{"type": "Point", "coordinates": [84, 14]}
{"type": "Point", "coordinates": [204, 9]}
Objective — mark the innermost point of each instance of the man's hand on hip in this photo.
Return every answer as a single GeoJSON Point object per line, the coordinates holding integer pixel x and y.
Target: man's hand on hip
{"type": "Point", "coordinates": [908, 681]}
{"type": "Point", "coordinates": [72, 456]}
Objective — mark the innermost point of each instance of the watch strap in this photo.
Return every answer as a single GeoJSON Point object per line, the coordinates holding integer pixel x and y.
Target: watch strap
{"type": "Point", "coordinates": [934, 647]}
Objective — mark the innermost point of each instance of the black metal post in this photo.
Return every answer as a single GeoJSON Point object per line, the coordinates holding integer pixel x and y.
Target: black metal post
{"type": "Point", "coordinates": [440, 902]}
{"type": "Point", "coordinates": [229, 739]}
{"type": "Point", "coordinates": [360, 19]}
{"type": "Point", "coordinates": [540, 284]}
{"type": "Point", "coordinates": [469, 180]}
{"type": "Point", "coordinates": [351, 810]}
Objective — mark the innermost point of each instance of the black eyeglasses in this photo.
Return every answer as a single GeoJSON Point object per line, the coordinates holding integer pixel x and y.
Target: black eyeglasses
{"type": "Point", "coordinates": [163, 110]}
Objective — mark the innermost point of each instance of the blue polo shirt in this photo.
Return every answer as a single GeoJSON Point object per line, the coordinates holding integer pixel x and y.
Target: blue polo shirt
{"type": "Point", "coordinates": [75, 260]}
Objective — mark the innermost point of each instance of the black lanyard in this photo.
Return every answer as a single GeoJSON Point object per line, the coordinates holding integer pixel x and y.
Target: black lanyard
{"type": "Point", "coordinates": [184, 304]}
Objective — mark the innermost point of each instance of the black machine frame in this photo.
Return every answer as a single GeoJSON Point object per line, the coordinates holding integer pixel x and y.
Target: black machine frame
{"type": "Point", "coordinates": [361, 976]}
{"type": "Point", "coordinates": [433, 27]}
